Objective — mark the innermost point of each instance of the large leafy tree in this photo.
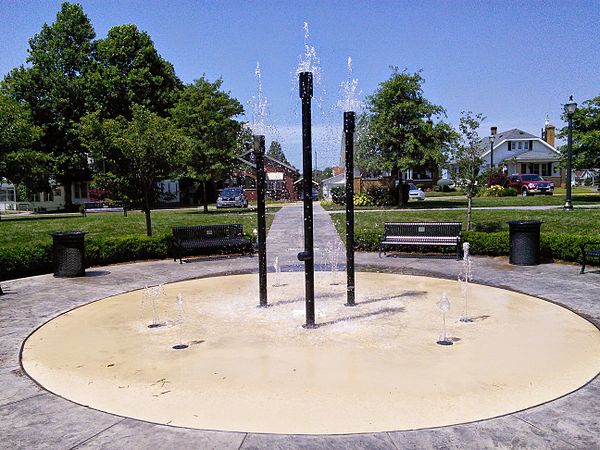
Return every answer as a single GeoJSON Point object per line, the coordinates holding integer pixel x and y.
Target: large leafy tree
{"type": "Point", "coordinates": [207, 116]}
{"type": "Point", "coordinates": [131, 72]}
{"type": "Point", "coordinates": [468, 158]}
{"type": "Point", "coordinates": [54, 86]}
{"type": "Point", "coordinates": [275, 151]}
{"type": "Point", "coordinates": [142, 152]}
{"type": "Point", "coordinates": [20, 162]}
{"type": "Point", "coordinates": [586, 135]}
{"type": "Point", "coordinates": [398, 129]}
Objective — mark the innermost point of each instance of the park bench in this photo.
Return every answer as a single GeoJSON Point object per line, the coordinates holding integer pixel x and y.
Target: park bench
{"type": "Point", "coordinates": [422, 233]}
{"type": "Point", "coordinates": [589, 250]}
{"type": "Point", "coordinates": [201, 237]}
{"type": "Point", "coordinates": [100, 207]}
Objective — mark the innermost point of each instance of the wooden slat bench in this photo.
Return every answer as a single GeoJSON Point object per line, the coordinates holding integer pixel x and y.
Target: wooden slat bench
{"type": "Point", "coordinates": [227, 237]}
{"type": "Point", "coordinates": [589, 250]}
{"type": "Point", "coordinates": [99, 207]}
{"type": "Point", "coordinates": [422, 233]}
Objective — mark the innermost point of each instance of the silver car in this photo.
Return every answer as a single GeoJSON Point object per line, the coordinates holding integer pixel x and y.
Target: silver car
{"type": "Point", "coordinates": [232, 198]}
{"type": "Point", "coordinates": [416, 193]}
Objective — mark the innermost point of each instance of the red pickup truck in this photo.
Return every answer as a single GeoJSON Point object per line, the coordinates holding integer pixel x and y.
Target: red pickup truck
{"type": "Point", "coordinates": [530, 184]}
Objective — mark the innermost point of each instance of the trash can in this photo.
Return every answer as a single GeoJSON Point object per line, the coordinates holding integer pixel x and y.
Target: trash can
{"type": "Point", "coordinates": [68, 250]}
{"type": "Point", "coordinates": [524, 242]}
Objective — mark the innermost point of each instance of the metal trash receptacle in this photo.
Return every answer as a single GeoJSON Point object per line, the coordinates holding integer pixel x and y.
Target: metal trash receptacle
{"type": "Point", "coordinates": [68, 253]}
{"type": "Point", "coordinates": [524, 242]}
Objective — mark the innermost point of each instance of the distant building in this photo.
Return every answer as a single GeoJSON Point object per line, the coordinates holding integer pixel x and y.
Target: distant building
{"type": "Point", "coordinates": [517, 151]}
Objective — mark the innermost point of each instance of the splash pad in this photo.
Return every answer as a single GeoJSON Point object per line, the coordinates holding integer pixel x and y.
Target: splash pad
{"type": "Point", "coordinates": [375, 367]}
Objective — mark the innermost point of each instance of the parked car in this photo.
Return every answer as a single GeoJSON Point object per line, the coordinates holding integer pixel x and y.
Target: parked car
{"type": "Point", "coordinates": [416, 193]}
{"type": "Point", "coordinates": [530, 184]}
{"type": "Point", "coordinates": [232, 197]}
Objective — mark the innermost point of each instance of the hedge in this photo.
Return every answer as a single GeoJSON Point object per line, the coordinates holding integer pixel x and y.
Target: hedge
{"type": "Point", "coordinates": [564, 247]}
{"type": "Point", "coordinates": [27, 261]}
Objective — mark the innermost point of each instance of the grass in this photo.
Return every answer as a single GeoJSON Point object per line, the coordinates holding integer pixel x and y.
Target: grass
{"type": "Point", "coordinates": [17, 231]}
{"type": "Point", "coordinates": [577, 222]}
{"type": "Point", "coordinates": [579, 196]}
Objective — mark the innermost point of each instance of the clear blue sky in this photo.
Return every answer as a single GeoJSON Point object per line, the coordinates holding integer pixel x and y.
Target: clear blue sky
{"type": "Point", "coordinates": [515, 62]}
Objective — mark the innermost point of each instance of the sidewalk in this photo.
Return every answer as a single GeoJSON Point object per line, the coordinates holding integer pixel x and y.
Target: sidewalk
{"type": "Point", "coordinates": [33, 418]}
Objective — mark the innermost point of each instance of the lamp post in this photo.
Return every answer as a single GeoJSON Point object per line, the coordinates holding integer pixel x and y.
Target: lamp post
{"type": "Point", "coordinates": [492, 139]}
{"type": "Point", "coordinates": [570, 108]}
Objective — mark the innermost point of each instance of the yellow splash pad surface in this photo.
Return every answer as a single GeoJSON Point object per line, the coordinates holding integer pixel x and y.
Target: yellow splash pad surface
{"type": "Point", "coordinates": [375, 367]}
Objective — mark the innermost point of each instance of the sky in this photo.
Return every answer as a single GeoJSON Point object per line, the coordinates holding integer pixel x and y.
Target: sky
{"type": "Point", "coordinates": [515, 62]}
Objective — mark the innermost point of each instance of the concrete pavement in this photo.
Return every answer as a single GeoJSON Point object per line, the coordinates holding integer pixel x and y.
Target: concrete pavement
{"type": "Point", "coordinates": [31, 417]}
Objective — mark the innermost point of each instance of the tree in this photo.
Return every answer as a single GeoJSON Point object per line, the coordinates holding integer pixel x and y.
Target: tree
{"type": "Point", "coordinates": [468, 158]}
{"type": "Point", "coordinates": [586, 135]}
{"type": "Point", "coordinates": [398, 131]}
{"type": "Point", "coordinates": [144, 151]}
{"type": "Point", "coordinates": [55, 88]}
{"type": "Point", "coordinates": [20, 163]}
{"type": "Point", "coordinates": [206, 115]}
{"type": "Point", "coordinates": [275, 151]}
{"type": "Point", "coordinates": [131, 72]}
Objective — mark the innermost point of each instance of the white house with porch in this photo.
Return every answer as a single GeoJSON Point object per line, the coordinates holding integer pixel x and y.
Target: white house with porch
{"type": "Point", "coordinates": [517, 151]}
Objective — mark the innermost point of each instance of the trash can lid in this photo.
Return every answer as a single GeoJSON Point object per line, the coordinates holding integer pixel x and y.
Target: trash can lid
{"type": "Point", "coordinates": [67, 233]}
{"type": "Point", "coordinates": [525, 222]}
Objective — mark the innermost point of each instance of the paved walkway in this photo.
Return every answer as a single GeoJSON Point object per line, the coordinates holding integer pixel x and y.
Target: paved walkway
{"type": "Point", "coordinates": [32, 418]}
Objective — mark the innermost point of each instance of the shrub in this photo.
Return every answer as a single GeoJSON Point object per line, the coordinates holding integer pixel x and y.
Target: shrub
{"type": "Point", "coordinates": [338, 195]}
{"type": "Point", "coordinates": [496, 177]}
{"type": "Point", "coordinates": [381, 196]}
{"type": "Point", "coordinates": [361, 199]}
{"type": "Point", "coordinates": [499, 191]}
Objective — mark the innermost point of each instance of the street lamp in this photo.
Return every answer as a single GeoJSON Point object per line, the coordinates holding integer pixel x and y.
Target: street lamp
{"type": "Point", "coordinates": [570, 108]}
{"type": "Point", "coordinates": [492, 139]}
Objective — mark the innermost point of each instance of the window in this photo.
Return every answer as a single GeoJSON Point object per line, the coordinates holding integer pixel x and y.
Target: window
{"type": "Point", "coordinates": [80, 190]}
{"type": "Point", "coordinates": [523, 168]}
{"type": "Point", "coordinates": [513, 145]}
{"type": "Point", "coordinates": [526, 145]}
{"type": "Point", "coordinates": [520, 145]}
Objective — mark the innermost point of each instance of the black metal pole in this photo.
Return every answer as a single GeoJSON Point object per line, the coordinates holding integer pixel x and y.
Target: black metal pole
{"type": "Point", "coordinates": [259, 160]}
{"type": "Point", "coordinates": [306, 91]}
{"type": "Point", "coordinates": [492, 154]}
{"type": "Point", "coordinates": [568, 203]}
{"type": "Point", "coordinates": [349, 145]}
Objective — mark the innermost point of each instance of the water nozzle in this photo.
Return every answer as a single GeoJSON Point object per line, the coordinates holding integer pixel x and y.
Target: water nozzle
{"type": "Point", "coordinates": [304, 256]}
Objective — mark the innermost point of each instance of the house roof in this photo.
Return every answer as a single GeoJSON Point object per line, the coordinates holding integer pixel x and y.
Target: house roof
{"type": "Point", "coordinates": [339, 177]}
{"type": "Point", "coordinates": [244, 157]}
{"type": "Point", "coordinates": [534, 155]}
{"type": "Point", "coordinates": [513, 135]}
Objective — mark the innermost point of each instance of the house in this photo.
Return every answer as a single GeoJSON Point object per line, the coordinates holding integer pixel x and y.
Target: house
{"type": "Point", "coordinates": [8, 197]}
{"type": "Point", "coordinates": [279, 178]}
{"type": "Point", "coordinates": [338, 180]}
{"type": "Point", "coordinates": [517, 151]}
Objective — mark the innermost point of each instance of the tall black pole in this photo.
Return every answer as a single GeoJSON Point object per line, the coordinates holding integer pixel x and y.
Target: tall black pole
{"type": "Point", "coordinates": [568, 203]}
{"type": "Point", "coordinates": [349, 145]}
{"type": "Point", "coordinates": [306, 91]}
{"type": "Point", "coordinates": [492, 154]}
{"type": "Point", "coordinates": [259, 159]}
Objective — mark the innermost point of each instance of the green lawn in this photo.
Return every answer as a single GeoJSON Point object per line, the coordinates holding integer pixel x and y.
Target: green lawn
{"type": "Point", "coordinates": [579, 196]}
{"type": "Point", "coordinates": [577, 222]}
{"type": "Point", "coordinates": [16, 231]}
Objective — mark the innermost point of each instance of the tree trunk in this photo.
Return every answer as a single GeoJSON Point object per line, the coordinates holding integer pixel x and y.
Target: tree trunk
{"type": "Point", "coordinates": [400, 189]}
{"type": "Point", "coordinates": [204, 197]}
{"type": "Point", "coordinates": [147, 214]}
{"type": "Point", "coordinates": [469, 205]}
{"type": "Point", "coordinates": [68, 184]}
